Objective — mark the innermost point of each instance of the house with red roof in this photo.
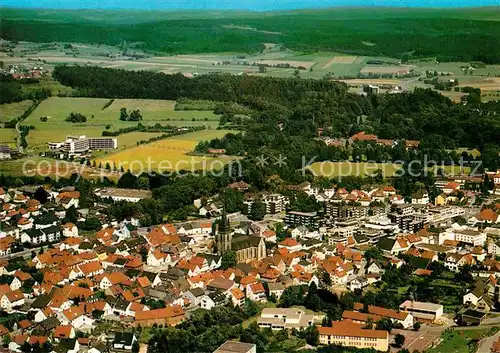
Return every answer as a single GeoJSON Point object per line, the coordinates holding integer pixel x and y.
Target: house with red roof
{"type": "Point", "coordinates": [290, 244]}
{"type": "Point", "coordinates": [63, 332]}
{"type": "Point", "coordinates": [450, 187]}
{"type": "Point", "coordinates": [256, 292]}
{"type": "Point", "coordinates": [69, 230]}
{"type": "Point", "coordinates": [169, 316]}
{"type": "Point", "coordinates": [362, 136]}
{"type": "Point", "coordinates": [12, 299]}
{"type": "Point", "coordinates": [237, 296]}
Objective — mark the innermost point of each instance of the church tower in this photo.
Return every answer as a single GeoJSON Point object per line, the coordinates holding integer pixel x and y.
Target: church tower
{"type": "Point", "coordinates": [223, 234]}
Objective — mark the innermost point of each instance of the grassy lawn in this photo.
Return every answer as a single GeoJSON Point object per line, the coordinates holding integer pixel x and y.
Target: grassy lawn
{"type": "Point", "coordinates": [290, 345]}
{"type": "Point", "coordinates": [15, 166]}
{"type": "Point", "coordinates": [99, 117]}
{"type": "Point", "coordinates": [460, 341]}
{"type": "Point", "coordinates": [13, 110]}
{"type": "Point", "coordinates": [130, 139]}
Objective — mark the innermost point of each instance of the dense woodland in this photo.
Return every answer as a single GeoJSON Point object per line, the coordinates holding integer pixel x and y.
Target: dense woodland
{"type": "Point", "coordinates": [286, 113]}
{"type": "Point", "coordinates": [405, 36]}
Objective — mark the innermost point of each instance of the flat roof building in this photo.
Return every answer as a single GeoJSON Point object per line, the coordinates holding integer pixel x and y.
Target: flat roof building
{"type": "Point", "coordinates": [280, 318]}
{"type": "Point", "coordinates": [236, 347]}
{"type": "Point", "coordinates": [82, 144]}
{"type": "Point", "coordinates": [130, 195]}
{"type": "Point", "coordinates": [422, 310]}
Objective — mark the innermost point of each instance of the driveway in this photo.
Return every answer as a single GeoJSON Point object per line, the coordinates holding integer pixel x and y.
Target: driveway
{"type": "Point", "coordinates": [484, 346]}
{"type": "Point", "coordinates": [421, 340]}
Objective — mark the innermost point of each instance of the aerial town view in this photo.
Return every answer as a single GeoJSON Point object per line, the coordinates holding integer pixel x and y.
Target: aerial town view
{"type": "Point", "coordinates": [188, 176]}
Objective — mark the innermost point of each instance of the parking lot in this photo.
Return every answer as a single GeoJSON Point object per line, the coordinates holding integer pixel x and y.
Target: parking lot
{"type": "Point", "coordinates": [420, 340]}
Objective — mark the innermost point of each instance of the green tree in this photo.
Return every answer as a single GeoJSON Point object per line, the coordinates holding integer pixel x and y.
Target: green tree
{"type": "Point", "coordinates": [384, 324]}
{"type": "Point", "coordinates": [417, 325]}
{"type": "Point", "coordinates": [228, 259]}
{"type": "Point", "coordinates": [41, 195]}
{"type": "Point", "coordinates": [399, 340]}
{"type": "Point", "coordinates": [123, 114]}
{"type": "Point", "coordinates": [72, 214]}
{"type": "Point", "coordinates": [6, 340]}
{"type": "Point", "coordinates": [135, 115]}
{"type": "Point", "coordinates": [312, 300]}
{"type": "Point", "coordinates": [311, 335]}
{"type": "Point", "coordinates": [258, 211]}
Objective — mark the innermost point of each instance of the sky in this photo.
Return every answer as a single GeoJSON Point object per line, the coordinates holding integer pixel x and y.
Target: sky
{"type": "Point", "coordinates": [255, 5]}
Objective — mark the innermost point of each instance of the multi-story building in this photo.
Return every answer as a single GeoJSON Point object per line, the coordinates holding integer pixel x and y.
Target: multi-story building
{"type": "Point", "coordinates": [406, 218]}
{"type": "Point", "coordinates": [381, 223]}
{"type": "Point", "coordinates": [349, 334]}
{"type": "Point", "coordinates": [275, 203]}
{"type": "Point", "coordinates": [440, 214]}
{"type": "Point", "coordinates": [83, 144]}
{"type": "Point", "coordinates": [309, 219]}
{"type": "Point", "coordinates": [341, 211]}
{"type": "Point", "coordinates": [470, 237]}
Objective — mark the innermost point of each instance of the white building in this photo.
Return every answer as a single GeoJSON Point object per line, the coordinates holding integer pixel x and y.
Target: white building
{"type": "Point", "coordinates": [281, 318]}
{"type": "Point", "coordinates": [423, 310]}
{"type": "Point", "coordinates": [130, 195]}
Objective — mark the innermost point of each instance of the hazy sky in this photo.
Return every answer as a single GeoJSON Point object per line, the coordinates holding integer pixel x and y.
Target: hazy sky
{"type": "Point", "coordinates": [257, 5]}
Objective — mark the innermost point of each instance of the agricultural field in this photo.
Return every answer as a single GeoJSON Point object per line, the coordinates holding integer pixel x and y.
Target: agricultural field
{"type": "Point", "coordinates": [171, 154]}
{"type": "Point", "coordinates": [485, 84]}
{"type": "Point", "coordinates": [339, 169]}
{"type": "Point", "coordinates": [316, 64]}
{"type": "Point", "coordinates": [13, 110]}
{"type": "Point", "coordinates": [101, 113]}
{"type": "Point", "coordinates": [8, 136]}
{"type": "Point", "coordinates": [31, 166]}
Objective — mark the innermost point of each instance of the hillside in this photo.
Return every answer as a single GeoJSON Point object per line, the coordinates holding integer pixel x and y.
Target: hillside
{"type": "Point", "coordinates": [449, 35]}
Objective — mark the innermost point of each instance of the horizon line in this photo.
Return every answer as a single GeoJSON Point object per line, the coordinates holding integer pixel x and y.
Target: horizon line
{"type": "Point", "coordinates": [389, 7]}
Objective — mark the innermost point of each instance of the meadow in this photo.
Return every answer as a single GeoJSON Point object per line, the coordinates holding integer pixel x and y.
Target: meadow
{"type": "Point", "coordinates": [102, 114]}
{"type": "Point", "coordinates": [11, 111]}
{"type": "Point", "coordinates": [461, 341]}
{"type": "Point", "coordinates": [8, 136]}
{"type": "Point", "coordinates": [171, 154]}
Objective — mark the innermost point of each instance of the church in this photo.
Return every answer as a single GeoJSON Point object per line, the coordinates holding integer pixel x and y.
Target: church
{"type": "Point", "coordinates": [247, 247]}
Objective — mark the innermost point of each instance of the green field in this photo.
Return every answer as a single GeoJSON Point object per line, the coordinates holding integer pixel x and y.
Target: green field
{"type": "Point", "coordinates": [153, 112]}
{"type": "Point", "coordinates": [171, 154]}
{"type": "Point", "coordinates": [460, 341]}
{"type": "Point", "coordinates": [13, 110]}
{"type": "Point", "coordinates": [8, 136]}
{"type": "Point", "coordinates": [339, 169]}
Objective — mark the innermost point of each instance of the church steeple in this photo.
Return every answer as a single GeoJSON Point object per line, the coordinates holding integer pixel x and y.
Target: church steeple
{"type": "Point", "coordinates": [223, 234]}
{"type": "Point", "coordinates": [224, 225]}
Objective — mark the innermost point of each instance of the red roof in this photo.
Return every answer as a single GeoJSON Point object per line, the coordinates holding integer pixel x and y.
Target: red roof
{"type": "Point", "coordinates": [350, 329]}
{"type": "Point", "coordinates": [257, 288]}
{"type": "Point", "coordinates": [168, 312]}
{"type": "Point", "coordinates": [362, 136]}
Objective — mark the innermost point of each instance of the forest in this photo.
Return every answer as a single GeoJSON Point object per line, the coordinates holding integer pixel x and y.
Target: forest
{"type": "Point", "coordinates": [286, 113]}
{"type": "Point", "coordinates": [441, 34]}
